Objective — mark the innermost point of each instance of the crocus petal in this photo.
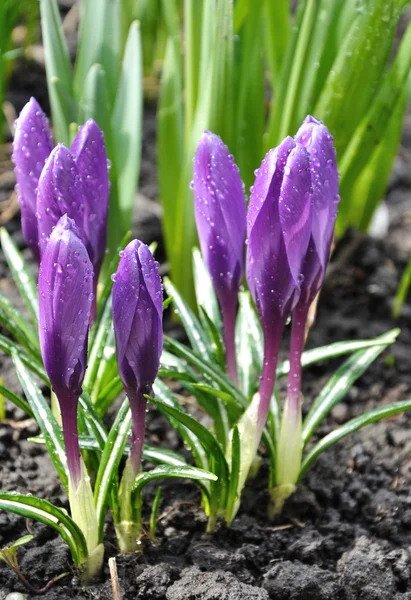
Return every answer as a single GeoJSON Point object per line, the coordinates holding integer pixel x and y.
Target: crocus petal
{"type": "Point", "coordinates": [279, 228]}
{"type": "Point", "coordinates": [220, 213]}
{"type": "Point", "coordinates": [89, 152]}
{"type": "Point", "coordinates": [60, 191]}
{"type": "Point", "coordinates": [319, 143]}
{"type": "Point", "coordinates": [137, 317]}
{"type": "Point", "coordinates": [31, 147]}
{"type": "Point", "coordinates": [65, 295]}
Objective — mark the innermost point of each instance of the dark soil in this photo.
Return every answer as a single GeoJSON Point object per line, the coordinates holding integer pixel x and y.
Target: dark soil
{"type": "Point", "coordinates": [345, 534]}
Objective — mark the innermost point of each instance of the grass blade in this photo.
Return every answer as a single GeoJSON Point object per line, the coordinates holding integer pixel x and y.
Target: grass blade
{"type": "Point", "coordinates": [337, 387]}
{"type": "Point", "coordinates": [16, 400]}
{"type": "Point", "coordinates": [51, 431]}
{"type": "Point", "coordinates": [9, 347]}
{"type": "Point", "coordinates": [110, 461]}
{"type": "Point", "coordinates": [311, 357]}
{"type": "Point", "coordinates": [191, 324]}
{"type": "Point", "coordinates": [57, 66]}
{"type": "Point", "coordinates": [21, 274]}
{"type": "Point", "coordinates": [126, 127]}
{"type": "Point", "coordinates": [166, 472]}
{"type": "Point", "coordinates": [42, 510]}
{"type": "Point", "coordinates": [367, 418]}
{"type": "Point", "coordinates": [402, 291]}
{"type": "Point", "coordinates": [18, 326]}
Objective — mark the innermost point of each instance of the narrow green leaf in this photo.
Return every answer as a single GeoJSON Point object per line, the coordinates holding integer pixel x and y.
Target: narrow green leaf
{"type": "Point", "coordinates": [357, 70]}
{"type": "Point", "coordinates": [402, 291]}
{"type": "Point", "coordinates": [99, 42]}
{"type": "Point", "coordinates": [205, 368]}
{"type": "Point", "coordinates": [311, 357]}
{"type": "Point", "coordinates": [204, 290]}
{"type": "Point", "coordinates": [42, 510]}
{"type": "Point", "coordinates": [249, 345]}
{"type": "Point", "coordinates": [21, 274]}
{"type": "Point", "coordinates": [206, 438]}
{"type": "Point", "coordinates": [26, 539]}
{"type": "Point", "coordinates": [150, 453]}
{"type": "Point", "coordinates": [337, 387]}
{"type": "Point", "coordinates": [373, 126]}
{"type": "Point", "coordinates": [369, 417]}
{"type": "Point", "coordinates": [215, 340]}
{"type": "Point", "coordinates": [190, 322]}
{"type": "Point", "coordinates": [92, 420]}
{"type": "Point", "coordinates": [232, 496]}
{"type": "Point", "coordinates": [9, 346]}
{"type": "Point", "coordinates": [110, 461]}
{"type": "Point", "coordinates": [222, 415]}
{"type": "Point", "coordinates": [170, 133]}
{"type": "Point", "coordinates": [164, 394]}
{"type": "Point", "coordinates": [283, 111]}
{"type": "Point", "coordinates": [154, 513]}
{"type": "Point", "coordinates": [21, 328]}
{"type": "Point", "coordinates": [192, 44]}
{"type": "Point", "coordinates": [249, 92]}
{"type": "Point", "coordinates": [224, 396]}
{"type": "Point", "coordinates": [126, 127]}
{"type": "Point", "coordinates": [57, 65]}
{"type": "Point", "coordinates": [52, 433]}
{"type": "Point", "coordinates": [107, 286]}
{"type": "Point", "coordinates": [16, 400]}
{"type": "Point", "coordinates": [97, 348]}
{"type": "Point", "coordinates": [277, 34]}
{"type": "Point", "coordinates": [166, 472]}
{"type": "Point", "coordinates": [108, 394]}
{"type": "Point", "coordinates": [94, 104]}
{"type": "Point", "coordinates": [370, 186]}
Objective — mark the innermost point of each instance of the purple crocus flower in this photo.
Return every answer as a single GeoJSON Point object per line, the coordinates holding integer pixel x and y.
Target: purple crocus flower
{"type": "Point", "coordinates": [65, 295]}
{"type": "Point", "coordinates": [315, 136]}
{"type": "Point", "coordinates": [324, 175]}
{"type": "Point", "coordinates": [279, 229]}
{"type": "Point", "coordinates": [137, 319]}
{"type": "Point", "coordinates": [220, 213]}
{"type": "Point", "coordinates": [31, 147]}
{"type": "Point", "coordinates": [60, 192]}
{"type": "Point", "coordinates": [76, 183]}
{"type": "Point", "coordinates": [89, 152]}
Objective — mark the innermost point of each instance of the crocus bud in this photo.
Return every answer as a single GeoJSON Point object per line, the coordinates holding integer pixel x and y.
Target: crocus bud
{"type": "Point", "coordinates": [65, 294]}
{"type": "Point", "coordinates": [319, 143]}
{"type": "Point", "coordinates": [31, 147]}
{"type": "Point", "coordinates": [60, 192]}
{"type": "Point", "coordinates": [89, 152]}
{"type": "Point", "coordinates": [279, 229]}
{"type": "Point", "coordinates": [137, 319]}
{"type": "Point", "coordinates": [220, 214]}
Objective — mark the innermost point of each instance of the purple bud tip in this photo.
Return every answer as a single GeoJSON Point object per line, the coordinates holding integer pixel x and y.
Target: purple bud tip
{"type": "Point", "coordinates": [314, 135]}
{"type": "Point", "coordinates": [60, 191]}
{"type": "Point", "coordinates": [279, 228]}
{"type": "Point", "coordinates": [89, 152]}
{"type": "Point", "coordinates": [31, 146]}
{"type": "Point", "coordinates": [137, 318]}
{"type": "Point", "coordinates": [220, 213]}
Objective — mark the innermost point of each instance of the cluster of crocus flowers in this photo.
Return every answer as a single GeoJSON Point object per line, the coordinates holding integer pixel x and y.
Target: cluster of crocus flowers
{"type": "Point", "coordinates": [290, 223]}
{"type": "Point", "coordinates": [56, 181]}
{"type": "Point", "coordinates": [64, 204]}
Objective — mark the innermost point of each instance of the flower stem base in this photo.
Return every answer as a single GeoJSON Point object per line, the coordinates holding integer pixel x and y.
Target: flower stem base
{"type": "Point", "coordinates": [128, 536]}
{"type": "Point", "coordinates": [90, 569]}
{"type": "Point", "coordinates": [278, 496]}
